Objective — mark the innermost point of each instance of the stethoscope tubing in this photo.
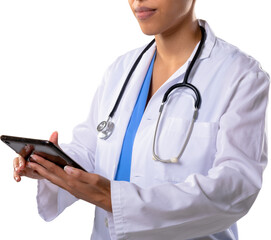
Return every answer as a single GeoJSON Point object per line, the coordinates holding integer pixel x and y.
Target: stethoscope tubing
{"type": "Point", "coordinates": [128, 79]}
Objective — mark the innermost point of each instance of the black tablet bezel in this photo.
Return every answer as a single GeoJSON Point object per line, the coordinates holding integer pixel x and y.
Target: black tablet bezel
{"type": "Point", "coordinates": [27, 146]}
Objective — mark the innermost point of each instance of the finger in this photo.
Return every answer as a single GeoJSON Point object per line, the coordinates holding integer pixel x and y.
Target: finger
{"type": "Point", "coordinates": [19, 166]}
{"type": "Point", "coordinates": [16, 172]}
{"type": "Point", "coordinates": [16, 176]}
{"type": "Point", "coordinates": [48, 174]}
{"type": "Point", "coordinates": [16, 163]}
{"type": "Point", "coordinates": [29, 172]}
{"type": "Point", "coordinates": [49, 166]}
{"type": "Point", "coordinates": [54, 138]}
{"type": "Point", "coordinates": [21, 163]}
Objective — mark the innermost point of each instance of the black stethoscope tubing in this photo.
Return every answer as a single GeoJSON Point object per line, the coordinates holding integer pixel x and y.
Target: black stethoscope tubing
{"type": "Point", "coordinates": [178, 85]}
{"type": "Point", "coordinates": [128, 78]}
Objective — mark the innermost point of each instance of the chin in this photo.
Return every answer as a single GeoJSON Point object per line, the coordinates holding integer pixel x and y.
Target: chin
{"type": "Point", "coordinates": [149, 33]}
{"type": "Point", "coordinates": [150, 30]}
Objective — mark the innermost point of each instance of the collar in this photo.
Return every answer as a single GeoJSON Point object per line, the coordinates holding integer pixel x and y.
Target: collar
{"type": "Point", "coordinates": [209, 42]}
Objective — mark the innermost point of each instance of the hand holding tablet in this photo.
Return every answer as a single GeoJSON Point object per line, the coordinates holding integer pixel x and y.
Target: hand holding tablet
{"type": "Point", "coordinates": [25, 147]}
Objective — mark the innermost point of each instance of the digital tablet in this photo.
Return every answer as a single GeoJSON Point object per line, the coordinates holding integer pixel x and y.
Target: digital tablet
{"type": "Point", "coordinates": [44, 148]}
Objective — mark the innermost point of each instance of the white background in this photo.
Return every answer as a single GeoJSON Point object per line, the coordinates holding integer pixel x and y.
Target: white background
{"type": "Point", "coordinates": [52, 56]}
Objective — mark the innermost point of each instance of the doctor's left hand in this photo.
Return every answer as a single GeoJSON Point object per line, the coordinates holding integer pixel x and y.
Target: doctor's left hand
{"type": "Point", "coordinates": [90, 187]}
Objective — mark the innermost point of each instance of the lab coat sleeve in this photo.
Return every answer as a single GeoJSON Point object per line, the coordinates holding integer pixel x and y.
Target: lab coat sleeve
{"type": "Point", "coordinates": [203, 205]}
{"type": "Point", "coordinates": [51, 199]}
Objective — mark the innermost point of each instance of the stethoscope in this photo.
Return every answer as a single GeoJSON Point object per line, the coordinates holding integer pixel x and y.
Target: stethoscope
{"type": "Point", "coordinates": [105, 128]}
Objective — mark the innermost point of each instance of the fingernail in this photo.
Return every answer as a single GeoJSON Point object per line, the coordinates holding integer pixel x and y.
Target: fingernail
{"type": "Point", "coordinates": [17, 178]}
{"type": "Point", "coordinates": [68, 169]}
{"type": "Point", "coordinates": [33, 157]}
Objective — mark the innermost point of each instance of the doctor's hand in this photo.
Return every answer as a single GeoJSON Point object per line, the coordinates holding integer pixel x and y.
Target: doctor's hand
{"type": "Point", "coordinates": [90, 187]}
{"type": "Point", "coordinates": [22, 167]}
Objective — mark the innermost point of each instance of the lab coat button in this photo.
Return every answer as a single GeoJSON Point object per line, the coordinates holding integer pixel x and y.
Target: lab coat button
{"type": "Point", "coordinates": [106, 222]}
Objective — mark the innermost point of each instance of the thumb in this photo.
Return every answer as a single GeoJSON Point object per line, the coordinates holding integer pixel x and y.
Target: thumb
{"type": "Point", "coordinates": [54, 138]}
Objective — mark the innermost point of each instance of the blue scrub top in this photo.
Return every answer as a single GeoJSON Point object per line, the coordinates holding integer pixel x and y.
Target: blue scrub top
{"type": "Point", "coordinates": [124, 167]}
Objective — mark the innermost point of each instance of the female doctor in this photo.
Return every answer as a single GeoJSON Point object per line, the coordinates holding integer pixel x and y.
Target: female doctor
{"type": "Point", "coordinates": [165, 176]}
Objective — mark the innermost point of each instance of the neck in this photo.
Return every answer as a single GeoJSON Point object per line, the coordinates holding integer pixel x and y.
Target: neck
{"type": "Point", "coordinates": [175, 46]}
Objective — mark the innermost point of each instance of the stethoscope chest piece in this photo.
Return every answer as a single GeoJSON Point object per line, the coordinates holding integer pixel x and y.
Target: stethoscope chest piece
{"type": "Point", "coordinates": [105, 129]}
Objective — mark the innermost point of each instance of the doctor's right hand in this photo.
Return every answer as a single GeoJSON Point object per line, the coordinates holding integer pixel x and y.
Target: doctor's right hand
{"type": "Point", "coordinates": [22, 167]}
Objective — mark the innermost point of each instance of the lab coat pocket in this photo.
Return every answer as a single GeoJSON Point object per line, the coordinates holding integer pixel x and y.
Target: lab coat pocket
{"type": "Point", "coordinates": [198, 155]}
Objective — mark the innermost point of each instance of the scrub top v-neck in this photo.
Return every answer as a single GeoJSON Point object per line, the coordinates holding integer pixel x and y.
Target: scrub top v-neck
{"type": "Point", "coordinates": [124, 166]}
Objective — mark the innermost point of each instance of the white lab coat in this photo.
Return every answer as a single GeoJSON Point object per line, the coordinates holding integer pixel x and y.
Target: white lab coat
{"type": "Point", "coordinates": [218, 176]}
